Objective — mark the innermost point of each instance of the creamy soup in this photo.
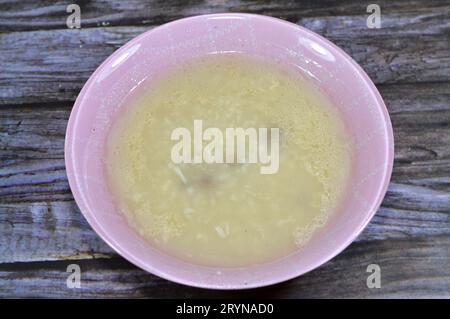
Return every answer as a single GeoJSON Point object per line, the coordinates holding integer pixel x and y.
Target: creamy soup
{"type": "Point", "coordinates": [228, 214]}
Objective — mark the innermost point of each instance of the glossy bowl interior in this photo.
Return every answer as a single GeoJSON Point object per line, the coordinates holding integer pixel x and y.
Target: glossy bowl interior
{"type": "Point", "coordinates": [149, 54]}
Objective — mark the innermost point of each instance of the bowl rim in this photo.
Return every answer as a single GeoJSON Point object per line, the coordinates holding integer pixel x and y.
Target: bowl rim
{"type": "Point", "coordinates": [108, 238]}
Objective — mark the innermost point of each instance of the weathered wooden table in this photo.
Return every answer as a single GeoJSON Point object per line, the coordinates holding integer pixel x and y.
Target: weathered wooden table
{"type": "Point", "coordinates": [44, 64]}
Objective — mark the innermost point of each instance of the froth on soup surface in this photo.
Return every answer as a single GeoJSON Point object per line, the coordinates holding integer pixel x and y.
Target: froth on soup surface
{"type": "Point", "coordinates": [228, 214]}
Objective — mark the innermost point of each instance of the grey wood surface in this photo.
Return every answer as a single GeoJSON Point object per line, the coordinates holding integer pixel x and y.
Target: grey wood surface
{"type": "Point", "coordinates": [43, 65]}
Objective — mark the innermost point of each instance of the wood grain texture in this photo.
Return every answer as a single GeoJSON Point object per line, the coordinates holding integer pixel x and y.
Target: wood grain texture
{"type": "Point", "coordinates": [33, 61]}
{"type": "Point", "coordinates": [51, 14]}
{"type": "Point", "coordinates": [409, 268]}
{"type": "Point", "coordinates": [43, 65]}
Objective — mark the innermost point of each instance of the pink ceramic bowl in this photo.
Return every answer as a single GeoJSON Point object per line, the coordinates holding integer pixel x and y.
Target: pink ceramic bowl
{"type": "Point", "coordinates": [147, 55]}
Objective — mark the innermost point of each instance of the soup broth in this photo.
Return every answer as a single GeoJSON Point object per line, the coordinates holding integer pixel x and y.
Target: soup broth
{"type": "Point", "coordinates": [228, 214]}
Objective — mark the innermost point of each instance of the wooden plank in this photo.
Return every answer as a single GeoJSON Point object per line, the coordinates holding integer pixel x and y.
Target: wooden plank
{"type": "Point", "coordinates": [51, 14]}
{"type": "Point", "coordinates": [52, 65]}
{"type": "Point", "coordinates": [32, 142]}
{"type": "Point", "coordinates": [394, 25]}
{"type": "Point", "coordinates": [409, 98]}
{"type": "Point", "coordinates": [37, 208]}
{"type": "Point", "coordinates": [51, 230]}
{"type": "Point", "coordinates": [56, 230]}
{"type": "Point", "coordinates": [409, 268]}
